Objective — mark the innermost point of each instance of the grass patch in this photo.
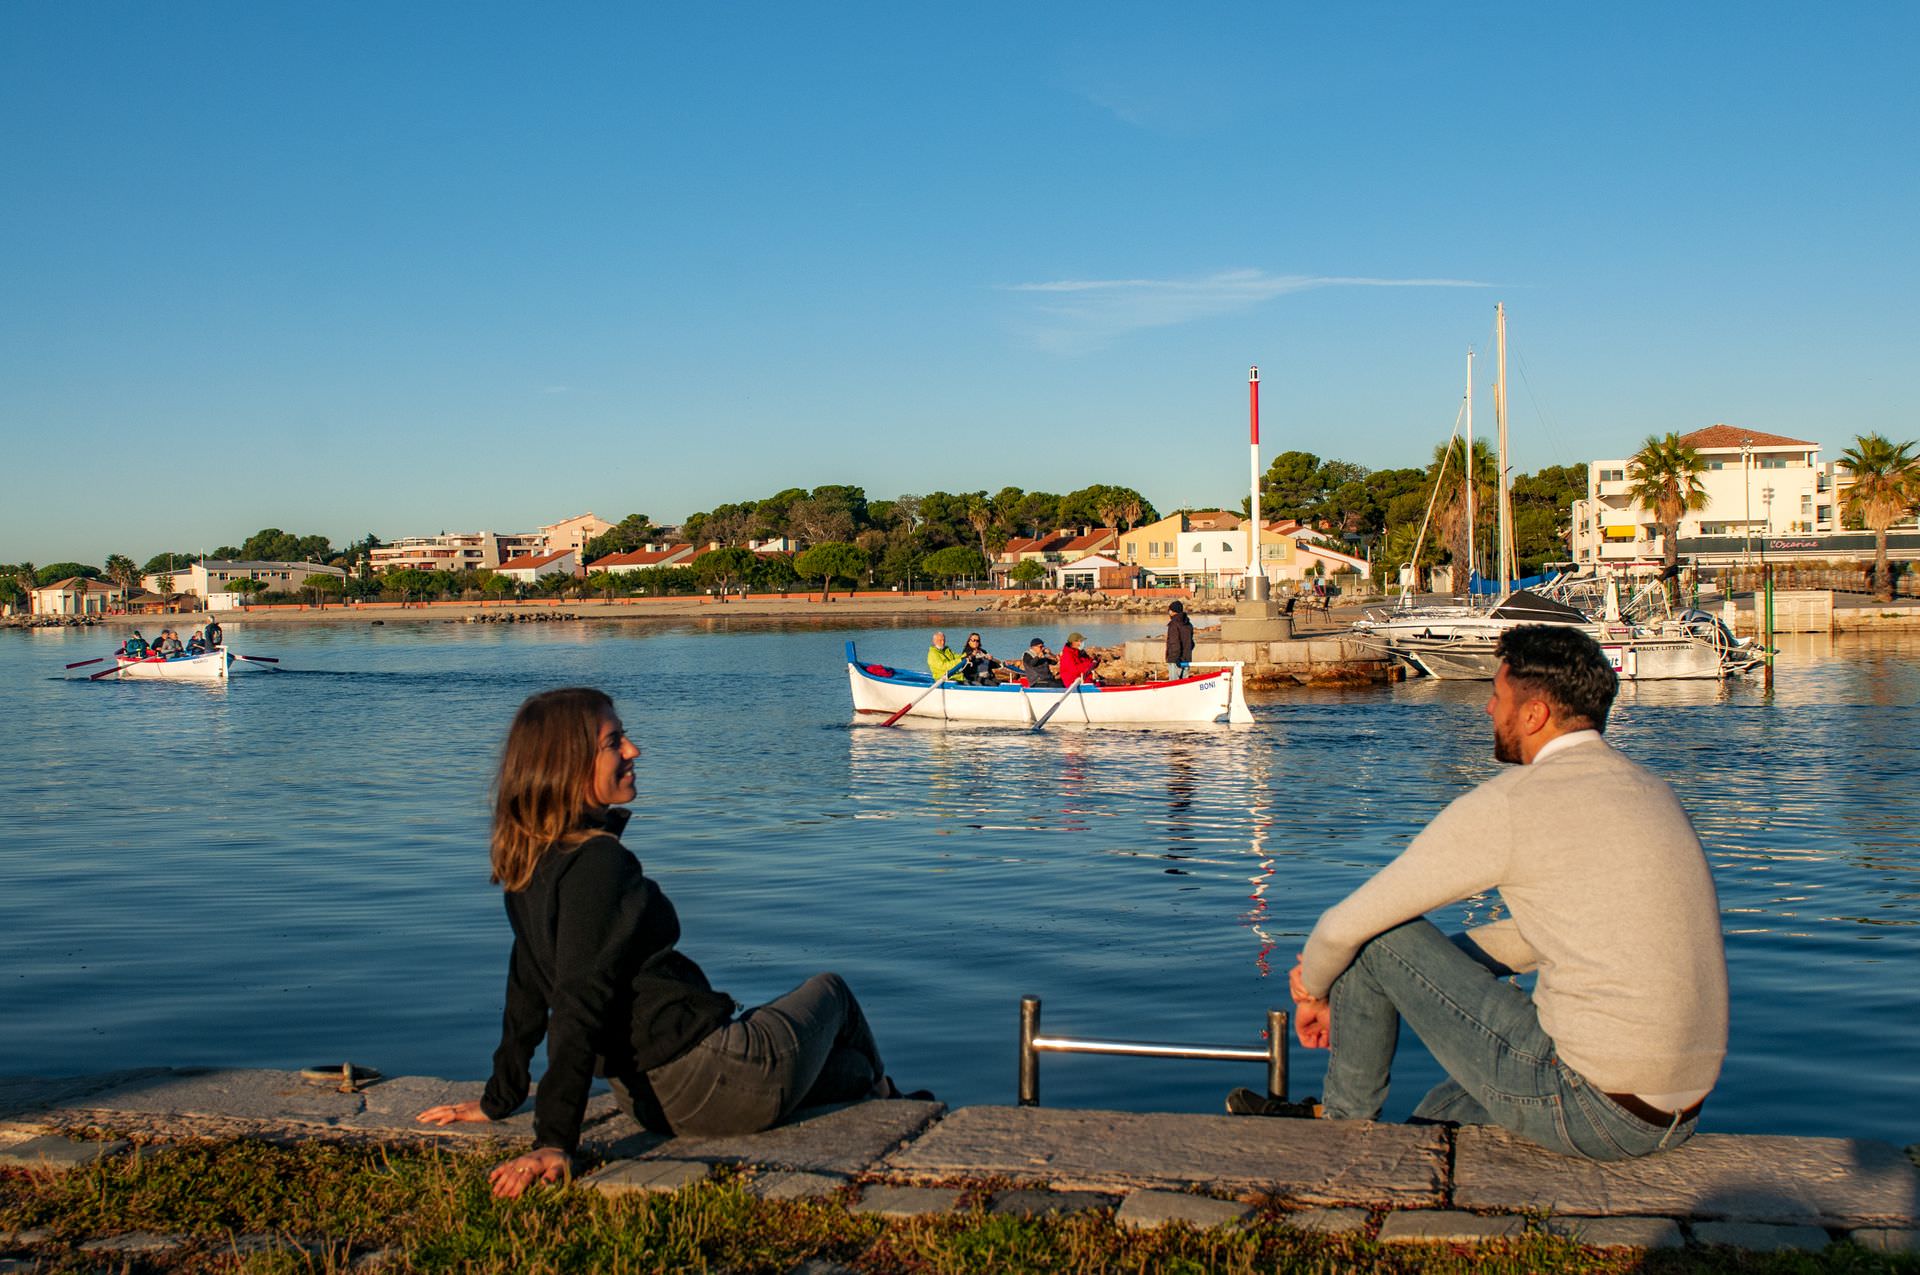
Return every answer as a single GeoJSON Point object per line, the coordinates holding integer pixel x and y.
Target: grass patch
{"type": "Point", "coordinates": [429, 1210]}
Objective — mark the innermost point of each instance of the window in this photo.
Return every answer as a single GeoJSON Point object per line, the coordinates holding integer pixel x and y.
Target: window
{"type": "Point", "coordinates": [1716, 464]}
{"type": "Point", "coordinates": [1613, 475]}
{"type": "Point", "coordinates": [1773, 462]}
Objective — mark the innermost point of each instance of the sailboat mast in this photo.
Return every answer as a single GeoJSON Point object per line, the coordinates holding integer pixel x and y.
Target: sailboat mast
{"type": "Point", "coordinates": [1500, 418]}
{"type": "Point", "coordinates": [1470, 523]}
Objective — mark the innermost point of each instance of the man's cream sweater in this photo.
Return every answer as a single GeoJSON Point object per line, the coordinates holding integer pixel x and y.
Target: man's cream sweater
{"type": "Point", "coordinates": [1611, 900]}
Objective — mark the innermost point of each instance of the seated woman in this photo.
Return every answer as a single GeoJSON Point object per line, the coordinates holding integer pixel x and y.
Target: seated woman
{"type": "Point", "coordinates": [979, 665]}
{"type": "Point", "coordinates": [196, 645]}
{"type": "Point", "coordinates": [596, 971]}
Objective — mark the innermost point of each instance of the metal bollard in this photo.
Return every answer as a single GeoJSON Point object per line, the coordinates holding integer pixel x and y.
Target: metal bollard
{"type": "Point", "coordinates": [1029, 1058]}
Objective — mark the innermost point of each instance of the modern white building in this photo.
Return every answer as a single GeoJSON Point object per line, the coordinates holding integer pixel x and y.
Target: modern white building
{"type": "Point", "coordinates": [1768, 497]}
{"type": "Point", "coordinates": [458, 550]}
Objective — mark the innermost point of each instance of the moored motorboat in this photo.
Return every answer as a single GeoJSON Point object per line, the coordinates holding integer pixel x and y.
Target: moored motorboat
{"type": "Point", "coordinates": [881, 691]}
{"type": "Point", "coordinates": [209, 667]}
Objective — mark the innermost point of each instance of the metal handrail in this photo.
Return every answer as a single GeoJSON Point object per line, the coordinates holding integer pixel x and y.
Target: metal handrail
{"type": "Point", "coordinates": [1033, 1044]}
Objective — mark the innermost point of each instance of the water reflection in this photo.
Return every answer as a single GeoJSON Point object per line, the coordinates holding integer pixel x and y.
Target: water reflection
{"type": "Point", "coordinates": [1158, 878]}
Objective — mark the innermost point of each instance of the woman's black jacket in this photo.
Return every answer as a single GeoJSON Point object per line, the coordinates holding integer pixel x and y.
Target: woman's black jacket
{"type": "Point", "coordinates": [595, 972]}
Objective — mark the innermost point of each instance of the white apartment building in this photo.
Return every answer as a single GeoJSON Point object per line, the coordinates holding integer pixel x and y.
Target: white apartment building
{"type": "Point", "coordinates": [1768, 496]}
{"type": "Point", "coordinates": [458, 550]}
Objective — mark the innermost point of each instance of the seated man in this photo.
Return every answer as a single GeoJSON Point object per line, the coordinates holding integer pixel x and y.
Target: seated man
{"type": "Point", "coordinates": [1612, 903]}
{"type": "Point", "coordinates": [196, 645]}
{"type": "Point", "coordinates": [1037, 665]}
{"type": "Point", "coordinates": [135, 647]}
{"type": "Point", "coordinates": [941, 658]}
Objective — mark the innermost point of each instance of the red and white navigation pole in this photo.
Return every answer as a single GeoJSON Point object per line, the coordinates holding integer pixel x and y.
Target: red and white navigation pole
{"type": "Point", "coordinates": [1256, 579]}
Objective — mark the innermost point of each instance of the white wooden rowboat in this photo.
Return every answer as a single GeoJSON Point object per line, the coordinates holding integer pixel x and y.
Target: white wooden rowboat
{"type": "Point", "coordinates": [1205, 697]}
{"type": "Point", "coordinates": [210, 667]}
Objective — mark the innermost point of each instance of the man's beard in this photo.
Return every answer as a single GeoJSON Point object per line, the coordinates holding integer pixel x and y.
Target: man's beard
{"type": "Point", "coordinates": [1506, 746]}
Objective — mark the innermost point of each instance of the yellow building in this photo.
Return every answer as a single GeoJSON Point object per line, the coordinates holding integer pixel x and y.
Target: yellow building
{"type": "Point", "coordinates": [1154, 547]}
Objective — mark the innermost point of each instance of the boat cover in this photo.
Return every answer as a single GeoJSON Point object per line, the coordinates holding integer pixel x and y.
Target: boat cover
{"type": "Point", "coordinates": [1524, 606]}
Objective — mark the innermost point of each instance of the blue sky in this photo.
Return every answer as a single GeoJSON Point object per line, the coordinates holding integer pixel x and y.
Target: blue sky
{"type": "Point", "coordinates": [401, 268]}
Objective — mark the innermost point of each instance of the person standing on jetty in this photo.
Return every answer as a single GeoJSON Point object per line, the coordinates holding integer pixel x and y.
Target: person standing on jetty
{"type": "Point", "coordinates": [1179, 640]}
{"type": "Point", "coordinates": [1612, 903]}
{"type": "Point", "coordinates": [596, 971]}
{"type": "Point", "coordinates": [941, 658]}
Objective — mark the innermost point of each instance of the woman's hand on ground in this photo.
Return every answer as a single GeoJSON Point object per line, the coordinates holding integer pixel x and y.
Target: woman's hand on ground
{"type": "Point", "coordinates": [453, 1113]}
{"type": "Point", "coordinates": [543, 1164]}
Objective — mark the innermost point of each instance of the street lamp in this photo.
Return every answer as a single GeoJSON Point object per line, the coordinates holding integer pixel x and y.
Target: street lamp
{"type": "Point", "coordinates": [1766, 499]}
{"type": "Point", "coordinates": [1746, 482]}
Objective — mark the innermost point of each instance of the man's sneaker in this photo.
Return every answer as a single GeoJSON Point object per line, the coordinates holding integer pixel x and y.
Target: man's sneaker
{"type": "Point", "coordinates": [1245, 1102]}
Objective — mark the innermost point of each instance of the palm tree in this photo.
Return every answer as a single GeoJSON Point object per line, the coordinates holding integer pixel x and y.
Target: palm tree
{"type": "Point", "coordinates": [980, 516]}
{"type": "Point", "coordinates": [1886, 483]}
{"type": "Point", "coordinates": [121, 570]}
{"type": "Point", "coordinates": [1450, 523]}
{"type": "Point", "coordinates": [1663, 477]}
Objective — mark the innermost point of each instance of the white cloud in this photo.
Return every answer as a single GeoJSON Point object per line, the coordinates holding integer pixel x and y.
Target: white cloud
{"type": "Point", "coordinates": [1077, 314]}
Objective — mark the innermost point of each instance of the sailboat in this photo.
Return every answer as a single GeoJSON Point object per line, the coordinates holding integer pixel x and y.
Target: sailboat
{"type": "Point", "coordinates": [1461, 641]}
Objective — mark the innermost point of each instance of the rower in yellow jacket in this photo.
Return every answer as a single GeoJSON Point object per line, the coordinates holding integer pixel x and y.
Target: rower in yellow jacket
{"type": "Point", "coordinates": [941, 658]}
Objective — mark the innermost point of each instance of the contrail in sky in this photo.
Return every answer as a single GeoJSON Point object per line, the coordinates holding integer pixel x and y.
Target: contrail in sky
{"type": "Point", "coordinates": [1079, 313]}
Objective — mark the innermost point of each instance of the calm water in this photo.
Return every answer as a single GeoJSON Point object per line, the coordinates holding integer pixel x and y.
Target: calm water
{"type": "Point", "coordinates": [293, 868]}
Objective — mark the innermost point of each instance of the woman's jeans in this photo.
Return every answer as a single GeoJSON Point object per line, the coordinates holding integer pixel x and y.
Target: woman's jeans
{"type": "Point", "coordinates": [809, 1047]}
{"type": "Point", "coordinates": [1485, 1032]}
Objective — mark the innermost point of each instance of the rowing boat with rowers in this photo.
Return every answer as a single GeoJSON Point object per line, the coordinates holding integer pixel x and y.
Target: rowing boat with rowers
{"type": "Point", "coordinates": [879, 690]}
{"type": "Point", "coordinates": [208, 667]}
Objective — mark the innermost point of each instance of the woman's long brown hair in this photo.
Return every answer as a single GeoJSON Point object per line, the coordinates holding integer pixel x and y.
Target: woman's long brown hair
{"type": "Point", "coordinates": [541, 795]}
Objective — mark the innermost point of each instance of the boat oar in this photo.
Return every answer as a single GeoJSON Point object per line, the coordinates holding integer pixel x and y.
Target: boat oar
{"type": "Point", "coordinates": [1046, 716]}
{"type": "Point", "coordinates": [257, 659]}
{"type": "Point", "coordinates": [902, 712]}
{"type": "Point", "coordinates": [83, 663]}
{"type": "Point", "coordinates": [105, 672]}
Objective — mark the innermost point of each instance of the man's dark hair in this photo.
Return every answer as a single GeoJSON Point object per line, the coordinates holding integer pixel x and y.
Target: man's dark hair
{"type": "Point", "coordinates": [1564, 667]}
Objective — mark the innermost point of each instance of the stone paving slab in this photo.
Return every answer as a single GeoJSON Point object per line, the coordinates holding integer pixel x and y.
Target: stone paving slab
{"type": "Point", "coordinates": [1762, 1237]}
{"type": "Point", "coordinates": [22, 1098]}
{"type": "Point", "coordinates": [1446, 1226]}
{"type": "Point", "coordinates": [907, 1201]}
{"type": "Point", "coordinates": [1882, 1239]}
{"type": "Point", "coordinates": [844, 1140]}
{"type": "Point", "coordinates": [1730, 1177]}
{"type": "Point", "coordinates": [1144, 1209]}
{"type": "Point", "coordinates": [1328, 1221]}
{"type": "Point", "coordinates": [52, 1152]}
{"type": "Point", "coordinates": [1042, 1203]}
{"type": "Point", "coordinates": [647, 1177]}
{"type": "Point", "coordinates": [222, 1101]}
{"type": "Point", "coordinates": [789, 1184]}
{"type": "Point", "coordinates": [1313, 1161]}
{"type": "Point", "coordinates": [1617, 1232]}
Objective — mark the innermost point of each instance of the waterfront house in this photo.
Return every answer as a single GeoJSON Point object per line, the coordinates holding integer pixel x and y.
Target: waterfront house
{"type": "Point", "coordinates": [76, 595]}
{"type": "Point", "coordinates": [646, 558]}
{"type": "Point", "coordinates": [1052, 550]}
{"type": "Point", "coordinates": [534, 566]}
{"type": "Point", "coordinates": [1096, 571]}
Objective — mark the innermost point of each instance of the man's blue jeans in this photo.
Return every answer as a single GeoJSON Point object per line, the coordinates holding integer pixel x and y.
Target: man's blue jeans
{"type": "Point", "coordinates": [1485, 1032]}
